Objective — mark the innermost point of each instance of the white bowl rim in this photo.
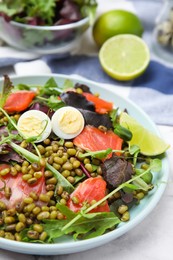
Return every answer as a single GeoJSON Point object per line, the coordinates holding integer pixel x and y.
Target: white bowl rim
{"type": "Point", "coordinates": [53, 27]}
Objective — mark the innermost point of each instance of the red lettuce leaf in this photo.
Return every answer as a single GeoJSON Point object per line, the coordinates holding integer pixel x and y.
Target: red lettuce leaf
{"type": "Point", "coordinates": [116, 171]}
{"type": "Point", "coordinates": [77, 100]}
{"type": "Point", "coordinates": [95, 119]}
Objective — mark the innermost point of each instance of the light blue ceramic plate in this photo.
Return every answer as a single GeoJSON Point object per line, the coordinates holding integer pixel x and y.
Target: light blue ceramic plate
{"type": "Point", "coordinates": [138, 213]}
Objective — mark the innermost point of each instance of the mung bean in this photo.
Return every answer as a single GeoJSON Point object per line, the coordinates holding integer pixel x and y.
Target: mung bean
{"type": "Point", "coordinates": [43, 236]}
{"type": "Point", "coordinates": [38, 228]}
{"type": "Point", "coordinates": [32, 234]}
{"type": "Point", "coordinates": [19, 226]}
{"type": "Point", "coordinates": [43, 215]}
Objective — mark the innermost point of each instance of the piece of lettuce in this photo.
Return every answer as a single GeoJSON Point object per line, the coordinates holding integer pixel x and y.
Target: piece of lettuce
{"type": "Point", "coordinates": [48, 12]}
{"type": "Point", "coordinates": [86, 225]}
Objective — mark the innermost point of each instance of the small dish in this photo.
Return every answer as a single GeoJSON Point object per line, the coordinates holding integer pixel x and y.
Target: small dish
{"type": "Point", "coordinates": [60, 39]}
{"type": "Point", "coordinates": [163, 32]}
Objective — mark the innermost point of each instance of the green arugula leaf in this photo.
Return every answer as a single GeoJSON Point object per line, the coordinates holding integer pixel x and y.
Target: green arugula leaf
{"type": "Point", "coordinates": [4, 9]}
{"type": "Point", "coordinates": [131, 186]}
{"type": "Point", "coordinates": [141, 184]}
{"type": "Point", "coordinates": [68, 84]}
{"type": "Point", "coordinates": [43, 9]}
{"type": "Point", "coordinates": [50, 88]}
{"type": "Point", "coordinates": [66, 211]}
{"type": "Point", "coordinates": [94, 226]}
{"type": "Point", "coordinates": [54, 103]}
{"type": "Point", "coordinates": [87, 8]}
{"type": "Point", "coordinates": [79, 178]}
{"type": "Point", "coordinates": [32, 8]}
{"type": "Point", "coordinates": [113, 116]}
{"type": "Point", "coordinates": [22, 87]}
{"type": "Point", "coordinates": [119, 130]}
{"type": "Point", "coordinates": [88, 226]}
{"type": "Point", "coordinates": [16, 6]}
{"type": "Point", "coordinates": [146, 177]}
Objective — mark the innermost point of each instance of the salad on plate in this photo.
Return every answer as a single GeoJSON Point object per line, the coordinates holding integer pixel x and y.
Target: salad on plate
{"type": "Point", "coordinates": [71, 163]}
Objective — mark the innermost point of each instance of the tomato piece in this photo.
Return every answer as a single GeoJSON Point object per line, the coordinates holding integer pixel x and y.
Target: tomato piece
{"type": "Point", "coordinates": [19, 101]}
{"type": "Point", "coordinates": [92, 139]}
{"type": "Point", "coordinates": [87, 191]}
{"type": "Point", "coordinates": [101, 106]}
{"type": "Point", "coordinates": [20, 189]}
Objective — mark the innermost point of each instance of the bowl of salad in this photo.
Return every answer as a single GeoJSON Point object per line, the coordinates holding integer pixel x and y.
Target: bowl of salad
{"type": "Point", "coordinates": [80, 165]}
{"type": "Point", "coordinates": [45, 28]}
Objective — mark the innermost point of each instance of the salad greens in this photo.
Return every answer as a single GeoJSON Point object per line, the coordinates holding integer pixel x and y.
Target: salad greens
{"type": "Point", "coordinates": [87, 225]}
{"type": "Point", "coordinates": [81, 225]}
{"type": "Point", "coordinates": [50, 12]}
{"type": "Point", "coordinates": [44, 14]}
{"type": "Point", "coordinates": [118, 129]}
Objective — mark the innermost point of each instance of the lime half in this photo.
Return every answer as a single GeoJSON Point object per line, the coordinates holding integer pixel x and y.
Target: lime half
{"type": "Point", "coordinates": [124, 57]}
{"type": "Point", "coordinates": [149, 143]}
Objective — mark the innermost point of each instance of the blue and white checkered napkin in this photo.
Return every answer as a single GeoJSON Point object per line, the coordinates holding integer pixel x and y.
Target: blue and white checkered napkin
{"type": "Point", "coordinates": [153, 91]}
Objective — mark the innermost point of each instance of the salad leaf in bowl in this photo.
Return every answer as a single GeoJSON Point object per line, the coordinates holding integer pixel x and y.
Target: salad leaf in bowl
{"type": "Point", "coordinates": [71, 175]}
{"type": "Point", "coordinates": [45, 27]}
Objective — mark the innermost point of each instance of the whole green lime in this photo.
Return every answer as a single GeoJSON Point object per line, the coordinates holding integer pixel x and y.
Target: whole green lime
{"type": "Point", "coordinates": [116, 22]}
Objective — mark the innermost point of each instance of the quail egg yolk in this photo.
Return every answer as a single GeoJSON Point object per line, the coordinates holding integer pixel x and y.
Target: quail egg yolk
{"type": "Point", "coordinates": [67, 122]}
{"type": "Point", "coordinates": [31, 126]}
